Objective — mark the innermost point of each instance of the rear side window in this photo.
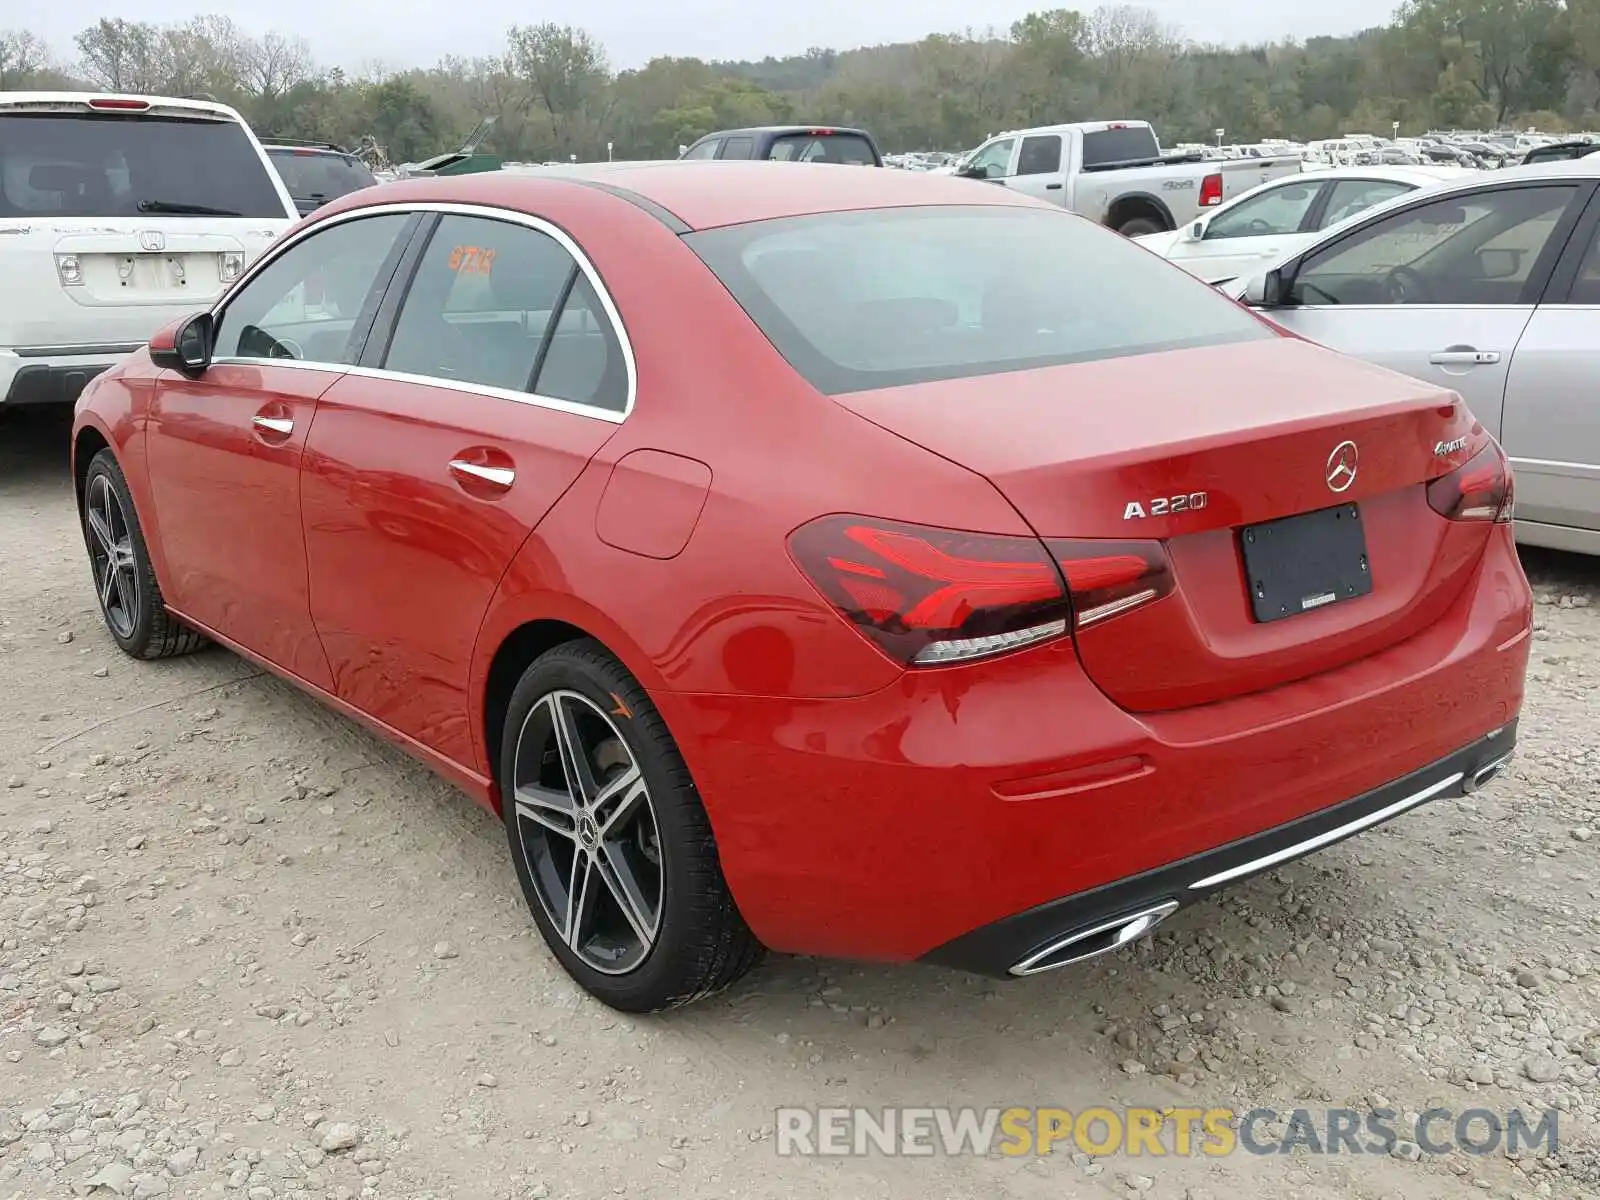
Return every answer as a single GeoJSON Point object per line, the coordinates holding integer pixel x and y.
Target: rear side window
{"type": "Point", "coordinates": [482, 309]}
{"type": "Point", "coordinates": [850, 148]}
{"type": "Point", "coordinates": [1041, 155]}
{"type": "Point", "coordinates": [1107, 146]}
{"type": "Point", "coordinates": [101, 165]}
{"type": "Point", "coordinates": [861, 300]}
{"type": "Point", "coordinates": [319, 174]}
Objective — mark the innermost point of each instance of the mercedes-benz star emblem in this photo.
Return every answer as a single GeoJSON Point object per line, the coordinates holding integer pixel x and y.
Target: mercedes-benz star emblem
{"type": "Point", "coordinates": [1341, 467]}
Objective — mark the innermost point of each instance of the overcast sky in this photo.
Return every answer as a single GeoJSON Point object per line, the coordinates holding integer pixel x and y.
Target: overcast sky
{"type": "Point", "coordinates": [403, 33]}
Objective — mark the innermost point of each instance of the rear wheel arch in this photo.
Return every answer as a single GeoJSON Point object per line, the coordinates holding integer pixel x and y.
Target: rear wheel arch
{"type": "Point", "coordinates": [520, 646]}
{"type": "Point", "coordinates": [1138, 206]}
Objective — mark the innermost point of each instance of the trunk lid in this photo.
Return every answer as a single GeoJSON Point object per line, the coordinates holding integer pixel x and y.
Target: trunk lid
{"type": "Point", "coordinates": [1243, 434]}
{"type": "Point", "coordinates": [103, 281]}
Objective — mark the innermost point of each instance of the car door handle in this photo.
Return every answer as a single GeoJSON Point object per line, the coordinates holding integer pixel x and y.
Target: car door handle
{"type": "Point", "coordinates": [499, 478]}
{"type": "Point", "coordinates": [1052, 187]}
{"type": "Point", "coordinates": [281, 426]}
{"type": "Point", "coordinates": [1464, 358]}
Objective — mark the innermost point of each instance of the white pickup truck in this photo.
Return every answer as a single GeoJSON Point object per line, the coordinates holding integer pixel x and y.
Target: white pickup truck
{"type": "Point", "coordinates": [1114, 172]}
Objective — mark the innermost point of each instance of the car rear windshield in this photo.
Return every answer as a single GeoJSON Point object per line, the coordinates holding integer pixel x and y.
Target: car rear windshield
{"type": "Point", "coordinates": [116, 165]}
{"type": "Point", "coordinates": [320, 174]}
{"type": "Point", "coordinates": [851, 148]}
{"type": "Point", "coordinates": [886, 297]}
{"type": "Point", "coordinates": [1107, 146]}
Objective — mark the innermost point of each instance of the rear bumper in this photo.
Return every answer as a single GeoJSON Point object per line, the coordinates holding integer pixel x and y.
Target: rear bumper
{"type": "Point", "coordinates": [891, 825]}
{"type": "Point", "coordinates": [1082, 926]}
{"type": "Point", "coordinates": [54, 374]}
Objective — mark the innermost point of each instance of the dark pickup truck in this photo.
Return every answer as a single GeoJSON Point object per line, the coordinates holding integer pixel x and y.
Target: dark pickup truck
{"type": "Point", "coordinates": [791, 143]}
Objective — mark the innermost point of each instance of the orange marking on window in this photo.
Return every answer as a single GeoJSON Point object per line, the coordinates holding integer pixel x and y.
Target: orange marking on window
{"type": "Point", "coordinates": [472, 260]}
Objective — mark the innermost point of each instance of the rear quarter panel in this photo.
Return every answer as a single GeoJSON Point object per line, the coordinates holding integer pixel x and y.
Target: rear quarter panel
{"type": "Point", "coordinates": [730, 614]}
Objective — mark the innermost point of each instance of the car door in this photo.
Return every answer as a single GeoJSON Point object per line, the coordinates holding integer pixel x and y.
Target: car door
{"type": "Point", "coordinates": [1038, 171]}
{"type": "Point", "coordinates": [1440, 289]}
{"type": "Point", "coordinates": [1253, 230]}
{"type": "Point", "coordinates": [225, 448]}
{"type": "Point", "coordinates": [1551, 426]}
{"type": "Point", "coordinates": [474, 408]}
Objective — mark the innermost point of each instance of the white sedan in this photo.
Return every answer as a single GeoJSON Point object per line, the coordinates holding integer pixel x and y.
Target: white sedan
{"type": "Point", "coordinates": [1282, 216]}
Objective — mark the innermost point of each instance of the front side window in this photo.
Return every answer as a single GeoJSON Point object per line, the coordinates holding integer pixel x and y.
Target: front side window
{"type": "Point", "coordinates": [705, 149]}
{"type": "Point", "coordinates": [1477, 248]}
{"type": "Point", "coordinates": [882, 298]}
{"type": "Point", "coordinates": [304, 304]}
{"type": "Point", "coordinates": [993, 161]}
{"type": "Point", "coordinates": [482, 309]}
{"type": "Point", "coordinates": [1272, 213]}
{"type": "Point", "coordinates": [738, 147]}
{"type": "Point", "coordinates": [1350, 196]}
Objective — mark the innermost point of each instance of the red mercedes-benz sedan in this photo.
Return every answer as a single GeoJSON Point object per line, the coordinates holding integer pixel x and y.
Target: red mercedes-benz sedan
{"type": "Point", "coordinates": [855, 563]}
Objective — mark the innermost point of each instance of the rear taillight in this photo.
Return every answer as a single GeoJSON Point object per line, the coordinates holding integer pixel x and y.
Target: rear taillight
{"type": "Point", "coordinates": [928, 597]}
{"type": "Point", "coordinates": [1107, 579]}
{"type": "Point", "coordinates": [1479, 490]}
{"type": "Point", "coordinates": [1211, 191]}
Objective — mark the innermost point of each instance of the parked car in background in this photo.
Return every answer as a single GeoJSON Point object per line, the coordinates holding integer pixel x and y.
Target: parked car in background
{"type": "Point", "coordinates": [1489, 286]}
{"type": "Point", "coordinates": [1114, 173]}
{"type": "Point", "coordinates": [118, 213]}
{"type": "Point", "coordinates": [967, 604]}
{"type": "Point", "coordinates": [316, 172]}
{"type": "Point", "coordinates": [1559, 152]}
{"type": "Point", "coordinates": [1282, 215]}
{"type": "Point", "coordinates": [790, 143]}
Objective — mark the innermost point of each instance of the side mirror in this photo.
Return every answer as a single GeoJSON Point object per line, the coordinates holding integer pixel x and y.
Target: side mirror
{"type": "Point", "coordinates": [184, 345]}
{"type": "Point", "coordinates": [1195, 231]}
{"type": "Point", "coordinates": [1264, 291]}
{"type": "Point", "coordinates": [971, 172]}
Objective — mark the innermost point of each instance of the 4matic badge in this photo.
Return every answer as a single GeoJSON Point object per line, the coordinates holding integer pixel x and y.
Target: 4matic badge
{"type": "Point", "coordinates": [1443, 448]}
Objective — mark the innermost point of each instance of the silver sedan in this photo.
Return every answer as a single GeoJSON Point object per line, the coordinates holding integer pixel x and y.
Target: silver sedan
{"type": "Point", "coordinates": [1489, 286]}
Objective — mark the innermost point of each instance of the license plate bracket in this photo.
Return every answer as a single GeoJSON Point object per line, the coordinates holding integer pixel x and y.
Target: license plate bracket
{"type": "Point", "coordinates": [1305, 562]}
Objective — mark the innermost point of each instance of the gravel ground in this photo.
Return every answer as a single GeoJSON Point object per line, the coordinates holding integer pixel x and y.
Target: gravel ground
{"type": "Point", "coordinates": [247, 950]}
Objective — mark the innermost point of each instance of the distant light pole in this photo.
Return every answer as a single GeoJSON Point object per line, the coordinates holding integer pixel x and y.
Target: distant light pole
{"type": "Point", "coordinates": [1219, 134]}
{"type": "Point", "coordinates": [1396, 126]}
{"type": "Point", "coordinates": [608, 151]}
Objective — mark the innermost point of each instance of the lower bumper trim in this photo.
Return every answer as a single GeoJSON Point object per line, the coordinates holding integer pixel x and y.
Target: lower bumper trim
{"type": "Point", "coordinates": [1087, 924]}
{"type": "Point", "coordinates": [36, 384]}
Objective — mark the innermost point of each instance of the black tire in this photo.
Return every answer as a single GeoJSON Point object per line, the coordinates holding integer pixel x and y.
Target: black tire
{"type": "Point", "coordinates": [140, 624]}
{"type": "Point", "coordinates": [1139, 226]}
{"type": "Point", "coordinates": [701, 944]}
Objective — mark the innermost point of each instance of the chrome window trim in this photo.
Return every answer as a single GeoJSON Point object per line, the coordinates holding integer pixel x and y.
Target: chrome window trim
{"type": "Point", "coordinates": [1550, 466]}
{"type": "Point", "coordinates": [448, 208]}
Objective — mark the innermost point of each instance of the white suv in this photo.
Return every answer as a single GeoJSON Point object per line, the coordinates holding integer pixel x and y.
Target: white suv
{"type": "Point", "coordinates": [118, 214]}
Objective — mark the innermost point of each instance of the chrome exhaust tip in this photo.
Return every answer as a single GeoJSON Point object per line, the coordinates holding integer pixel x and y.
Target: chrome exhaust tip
{"type": "Point", "coordinates": [1084, 944]}
{"type": "Point", "coordinates": [1483, 775]}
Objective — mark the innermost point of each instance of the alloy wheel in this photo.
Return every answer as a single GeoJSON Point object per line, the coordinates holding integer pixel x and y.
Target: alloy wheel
{"type": "Point", "coordinates": [587, 832]}
{"type": "Point", "coordinates": [111, 557]}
